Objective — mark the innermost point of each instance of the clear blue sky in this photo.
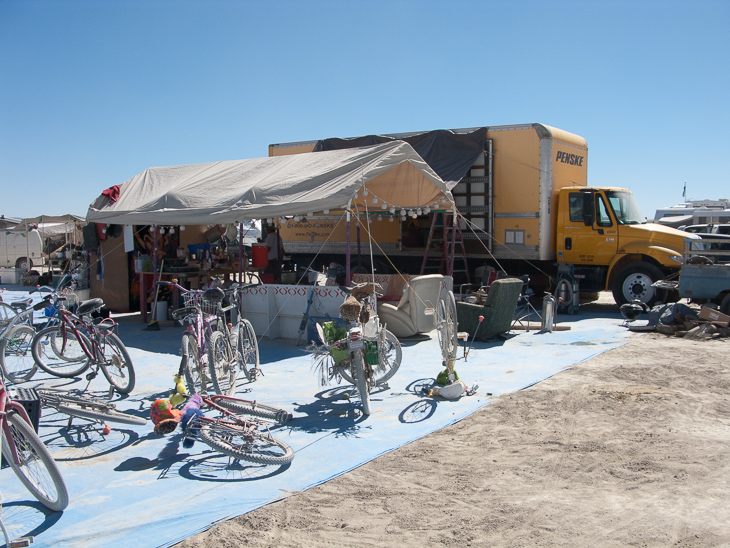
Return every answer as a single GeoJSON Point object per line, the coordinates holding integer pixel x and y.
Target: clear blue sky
{"type": "Point", "coordinates": [93, 92]}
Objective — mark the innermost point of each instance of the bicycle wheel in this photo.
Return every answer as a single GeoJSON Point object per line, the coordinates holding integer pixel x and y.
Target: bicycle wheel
{"type": "Point", "coordinates": [447, 328]}
{"type": "Point", "coordinates": [7, 313]}
{"type": "Point", "coordinates": [16, 356]}
{"type": "Point", "coordinates": [116, 364]}
{"type": "Point", "coordinates": [196, 377]}
{"type": "Point", "coordinates": [246, 443]}
{"type": "Point", "coordinates": [36, 467]}
{"type": "Point", "coordinates": [358, 364]}
{"type": "Point", "coordinates": [253, 408]}
{"type": "Point", "coordinates": [221, 364]}
{"type": "Point", "coordinates": [248, 349]}
{"type": "Point", "coordinates": [389, 358]}
{"type": "Point", "coordinates": [59, 355]}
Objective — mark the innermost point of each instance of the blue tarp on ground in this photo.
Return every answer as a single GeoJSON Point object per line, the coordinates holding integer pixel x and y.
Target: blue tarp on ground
{"type": "Point", "coordinates": [134, 488]}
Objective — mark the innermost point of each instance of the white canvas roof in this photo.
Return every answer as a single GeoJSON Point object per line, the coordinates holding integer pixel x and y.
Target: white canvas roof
{"type": "Point", "coordinates": [232, 191]}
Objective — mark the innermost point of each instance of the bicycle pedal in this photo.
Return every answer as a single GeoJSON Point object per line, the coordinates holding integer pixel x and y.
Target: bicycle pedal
{"type": "Point", "coordinates": [91, 376]}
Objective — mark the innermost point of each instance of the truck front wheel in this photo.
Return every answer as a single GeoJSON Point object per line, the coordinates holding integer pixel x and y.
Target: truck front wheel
{"type": "Point", "coordinates": [634, 282]}
{"type": "Point", "coordinates": [725, 304]}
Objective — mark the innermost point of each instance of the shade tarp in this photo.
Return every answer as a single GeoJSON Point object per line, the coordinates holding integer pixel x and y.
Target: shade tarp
{"type": "Point", "coordinates": [232, 191]}
{"type": "Point", "coordinates": [450, 154]}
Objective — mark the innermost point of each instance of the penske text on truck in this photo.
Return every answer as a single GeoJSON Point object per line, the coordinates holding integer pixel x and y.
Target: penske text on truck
{"type": "Point", "coordinates": [524, 206]}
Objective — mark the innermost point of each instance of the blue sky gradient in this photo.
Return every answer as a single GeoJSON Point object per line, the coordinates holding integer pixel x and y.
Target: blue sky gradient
{"type": "Point", "coordinates": [94, 92]}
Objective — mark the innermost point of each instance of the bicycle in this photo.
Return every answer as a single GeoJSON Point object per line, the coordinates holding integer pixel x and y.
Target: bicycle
{"type": "Point", "coordinates": [230, 434]}
{"type": "Point", "coordinates": [365, 353]}
{"type": "Point", "coordinates": [207, 339]}
{"type": "Point", "coordinates": [16, 337]}
{"type": "Point", "coordinates": [85, 407]}
{"type": "Point", "coordinates": [17, 331]}
{"type": "Point", "coordinates": [28, 456]}
{"type": "Point", "coordinates": [247, 347]}
{"type": "Point", "coordinates": [446, 327]}
{"type": "Point", "coordinates": [80, 343]}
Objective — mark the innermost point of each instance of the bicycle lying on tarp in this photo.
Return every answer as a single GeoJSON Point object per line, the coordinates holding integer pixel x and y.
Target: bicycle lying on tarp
{"type": "Point", "coordinates": [240, 430]}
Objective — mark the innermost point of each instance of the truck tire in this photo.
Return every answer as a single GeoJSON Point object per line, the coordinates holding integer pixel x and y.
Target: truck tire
{"type": "Point", "coordinates": [634, 281]}
{"type": "Point", "coordinates": [725, 304]}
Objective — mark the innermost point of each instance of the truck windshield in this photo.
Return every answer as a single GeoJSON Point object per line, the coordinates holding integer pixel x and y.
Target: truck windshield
{"type": "Point", "coordinates": [625, 207]}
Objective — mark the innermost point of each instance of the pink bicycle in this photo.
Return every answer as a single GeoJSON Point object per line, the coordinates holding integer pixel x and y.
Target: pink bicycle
{"type": "Point", "coordinates": [27, 455]}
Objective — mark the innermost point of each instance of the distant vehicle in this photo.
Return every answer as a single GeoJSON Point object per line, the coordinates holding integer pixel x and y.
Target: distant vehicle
{"type": "Point", "coordinates": [694, 212]}
{"type": "Point", "coordinates": [707, 229]}
{"type": "Point", "coordinates": [20, 249]}
{"type": "Point", "coordinates": [716, 241]}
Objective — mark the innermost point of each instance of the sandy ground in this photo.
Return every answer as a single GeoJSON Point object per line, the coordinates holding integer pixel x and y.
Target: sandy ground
{"type": "Point", "coordinates": [627, 449]}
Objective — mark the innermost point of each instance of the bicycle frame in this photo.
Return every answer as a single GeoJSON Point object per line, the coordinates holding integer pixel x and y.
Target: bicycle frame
{"type": "Point", "coordinates": [202, 324]}
{"type": "Point", "coordinates": [7, 405]}
{"type": "Point", "coordinates": [69, 320]}
{"type": "Point", "coordinates": [307, 317]}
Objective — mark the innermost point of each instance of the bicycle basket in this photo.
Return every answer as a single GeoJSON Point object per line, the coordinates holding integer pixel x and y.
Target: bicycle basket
{"type": "Point", "coordinates": [211, 300]}
{"type": "Point", "coordinates": [339, 352]}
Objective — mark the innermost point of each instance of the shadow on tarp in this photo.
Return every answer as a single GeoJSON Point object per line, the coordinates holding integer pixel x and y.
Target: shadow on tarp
{"type": "Point", "coordinates": [118, 496]}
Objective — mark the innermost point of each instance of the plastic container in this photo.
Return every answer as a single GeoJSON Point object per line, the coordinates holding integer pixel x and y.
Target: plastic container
{"type": "Point", "coordinates": [259, 255]}
{"type": "Point", "coordinates": [161, 311]}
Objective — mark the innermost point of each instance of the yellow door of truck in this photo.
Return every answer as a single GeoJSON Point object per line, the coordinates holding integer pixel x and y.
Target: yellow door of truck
{"type": "Point", "coordinates": [590, 234]}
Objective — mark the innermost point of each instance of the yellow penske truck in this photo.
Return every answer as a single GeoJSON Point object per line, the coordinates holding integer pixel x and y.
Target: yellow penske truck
{"type": "Point", "coordinates": [524, 206]}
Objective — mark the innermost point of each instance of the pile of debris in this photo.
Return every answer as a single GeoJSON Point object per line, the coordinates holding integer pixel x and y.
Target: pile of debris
{"type": "Point", "coordinates": [681, 320]}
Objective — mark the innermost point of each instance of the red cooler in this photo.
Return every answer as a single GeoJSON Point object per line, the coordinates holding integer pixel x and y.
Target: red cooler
{"type": "Point", "coordinates": [259, 255]}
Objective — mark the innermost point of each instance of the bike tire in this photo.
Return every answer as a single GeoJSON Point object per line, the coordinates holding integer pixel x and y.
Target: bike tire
{"type": "Point", "coordinates": [254, 408]}
{"type": "Point", "coordinates": [389, 360]}
{"type": "Point", "coordinates": [246, 444]}
{"type": "Point", "coordinates": [358, 364]}
{"type": "Point", "coordinates": [117, 365]}
{"type": "Point", "coordinates": [58, 358]}
{"type": "Point", "coordinates": [99, 412]}
{"type": "Point", "coordinates": [16, 354]}
{"type": "Point", "coordinates": [448, 337]}
{"type": "Point", "coordinates": [196, 376]}
{"type": "Point", "coordinates": [36, 470]}
{"type": "Point", "coordinates": [248, 349]}
{"type": "Point", "coordinates": [7, 313]}
{"type": "Point", "coordinates": [221, 363]}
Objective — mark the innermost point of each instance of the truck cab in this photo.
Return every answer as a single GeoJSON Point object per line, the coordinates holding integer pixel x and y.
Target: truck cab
{"type": "Point", "coordinates": [603, 234]}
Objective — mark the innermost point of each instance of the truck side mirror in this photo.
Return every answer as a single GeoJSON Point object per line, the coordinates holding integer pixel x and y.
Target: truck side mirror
{"type": "Point", "coordinates": [588, 211]}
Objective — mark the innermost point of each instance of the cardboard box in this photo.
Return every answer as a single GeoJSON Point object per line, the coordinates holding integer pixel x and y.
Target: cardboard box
{"type": "Point", "coordinates": [715, 316]}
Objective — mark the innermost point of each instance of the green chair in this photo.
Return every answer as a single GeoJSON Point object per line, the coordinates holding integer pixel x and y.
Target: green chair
{"type": "Point", "coordinates": [498, 310]}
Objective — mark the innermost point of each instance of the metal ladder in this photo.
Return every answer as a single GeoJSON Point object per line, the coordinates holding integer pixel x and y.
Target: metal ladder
{"type": "Point", "coordinates": [451, 237]}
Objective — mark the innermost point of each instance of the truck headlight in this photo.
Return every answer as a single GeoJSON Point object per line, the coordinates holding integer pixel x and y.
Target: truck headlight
{"type": "Point", "coordinates": [677, 259]}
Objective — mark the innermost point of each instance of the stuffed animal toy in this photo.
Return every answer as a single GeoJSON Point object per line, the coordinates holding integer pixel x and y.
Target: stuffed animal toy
{"type": "Point", "coordinates": [180, 392]}
{"type": "Point", "coordinates": [164, 416]}
{"type": "Point", "coordinates": [189, 411]}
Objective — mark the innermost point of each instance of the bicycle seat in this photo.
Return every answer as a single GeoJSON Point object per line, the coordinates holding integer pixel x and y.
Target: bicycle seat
{"type": "Point", "coordinates": [214, 294]}
{"type": "Point", "coordinates": [87, 307]}
{"type": "Point", "coordinates": [22, 304]}
{"type": "Point", "coordinates": [184, 312]}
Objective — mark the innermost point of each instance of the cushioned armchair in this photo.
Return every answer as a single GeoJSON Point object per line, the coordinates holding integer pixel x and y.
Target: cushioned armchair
{"type": "Point", "coordinates": [408, 317]}
{"type": "Point", "coordinates": [498, 310]}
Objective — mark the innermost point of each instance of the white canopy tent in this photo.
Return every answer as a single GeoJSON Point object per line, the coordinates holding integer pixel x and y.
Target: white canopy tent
{"type": "Point", "coordinates": [382, 176]}
{"type": "Point", "coordinates": [385, 177]}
